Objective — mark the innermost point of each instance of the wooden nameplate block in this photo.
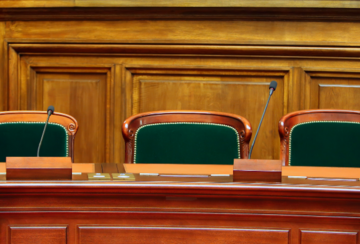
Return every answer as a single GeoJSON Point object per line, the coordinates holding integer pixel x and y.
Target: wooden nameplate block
{"type": "Point", "coordinates": [38, 168]}
{"type": "Point", "coordinates": [257, 170]}
{"type": "Point", "coordinates": [321, 175]}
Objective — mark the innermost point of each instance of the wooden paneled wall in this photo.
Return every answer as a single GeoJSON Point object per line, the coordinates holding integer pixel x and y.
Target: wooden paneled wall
{"type": "Point", "coordinates": [104, 68]}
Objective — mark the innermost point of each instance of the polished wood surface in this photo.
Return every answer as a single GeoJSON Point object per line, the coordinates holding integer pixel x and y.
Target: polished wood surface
{"type": "Point", "coordinates": [38, 168]}
{"type": "Point", "coordinates": [180, 3]}
{"type": "Point", "coordinates": [68, 91]}
{"type": "Point", "coordinates": [256, 170]}
{"type": "Point", "coordinates": [320, 175]}
{"type": "Point", "coordinates": [327, 172]}
{"type": "Point", "coordinates": [185, 169]}
{"type": "Point", "coordinates": [288, 121]}
{"type": "Point", "coordinates": [133, 123]}
{"type": "Point", "coordinates": [177, 212]}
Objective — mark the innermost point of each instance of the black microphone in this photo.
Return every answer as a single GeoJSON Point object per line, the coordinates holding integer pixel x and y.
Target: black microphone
{"type": "Point", "coordinates": [272, 88]}
{"type": "Point", "coordinates": [50, 111]}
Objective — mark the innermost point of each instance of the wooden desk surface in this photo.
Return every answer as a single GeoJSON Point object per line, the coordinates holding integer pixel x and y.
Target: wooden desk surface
{"type": "Point", "coordinates": [81, 211]}
{"type": "Point", "coordinates": [201, 174]}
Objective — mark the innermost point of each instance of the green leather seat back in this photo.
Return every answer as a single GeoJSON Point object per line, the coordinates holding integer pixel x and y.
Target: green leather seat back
{"type": "Point", "coordinates": [186, 143]}
{"type": "Point", "coordinates": [21, 139]}
{"type": "Point", "coordinates": [325, 143]}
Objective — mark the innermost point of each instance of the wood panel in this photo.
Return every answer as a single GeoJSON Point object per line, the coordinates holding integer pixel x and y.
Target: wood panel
{"type": "Point", "coordinates": [151, 76]}
{"type": "Point", "coordinates": [83, 93]}
{"type": "Point", "coordinates": [238, 92]}
{"type": "Point", "coordinates": [37, 234]}
{"type": "Point", "coordinates": [83, 96]}
{"type": "Point", "coordinates": [328, 237]}
{"type": "Point", "coordinates": [164, 234]}
{"type": "Point", "coordinates": [333, 90]}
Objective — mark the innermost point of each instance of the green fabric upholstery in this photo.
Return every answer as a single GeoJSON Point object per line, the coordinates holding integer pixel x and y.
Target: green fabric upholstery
{"type": "Point", "coordinates": [186, 143]}
{"type": "Point", "coordinates": [21, 139]}
{"type": "Point", "coordinates": [325, 143]}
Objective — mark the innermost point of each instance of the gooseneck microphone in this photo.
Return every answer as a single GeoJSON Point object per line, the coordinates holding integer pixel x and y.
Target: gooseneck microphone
{"type": "Point", "coordinates": [272, 88]}
{"type": "Point", "coordinates": [50, 111]}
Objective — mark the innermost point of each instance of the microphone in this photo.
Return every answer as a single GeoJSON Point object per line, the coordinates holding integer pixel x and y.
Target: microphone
{"type": "Point", "coordinates": [50, 111]}
{"type": "Point", "coordinates": [272, 88]}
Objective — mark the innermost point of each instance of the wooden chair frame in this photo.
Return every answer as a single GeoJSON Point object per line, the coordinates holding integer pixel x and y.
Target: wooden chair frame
{"type": "Point", "coordinates": [65, 120]}
{"type": "Point", "coordinates": [288, 121]}
{"type": "Point", "coordinates": [133, 123]}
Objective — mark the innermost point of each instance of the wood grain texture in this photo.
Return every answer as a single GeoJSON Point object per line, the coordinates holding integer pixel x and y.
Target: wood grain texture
{"type": "Point", "coordinates": [180, 58]}
{"type": "Point", "coordinates": [180, 3]}
{"type": "Point", "coordinates": [37, 234]}
{"type": "Point", "coordinates": [235, 92]}
{"type": "Point", "coordinates": [187, 32]}
{"type": "Point", "coordinates": [255, 170]}
{"type": "Point", "coordinates": [38, 168]}
{"type": "Point", "coordinates": [35, 3]}
{"type": "Point", "coordinates": [164, 210]}
{"type": "Point", "coordinates": [164, 234]}
{"type": "Point", "coordinates": [333, 90]}
{"type": "Point", "coordinates": [331, 237]}
{"type": "Point", "coordinates": [82, 92]}
{"type": "Point", "coordinates": [83, 96]}
{"type": "Point", "coordinates": [230, 88]}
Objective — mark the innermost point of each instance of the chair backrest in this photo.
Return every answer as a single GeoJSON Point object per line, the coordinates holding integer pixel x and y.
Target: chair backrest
{"type": "Point", "coordinates": [186, 137]}
{"type": "Point", "coordinates": [20, 134]}
{"type": "Point", "coordinates": [328, 138]}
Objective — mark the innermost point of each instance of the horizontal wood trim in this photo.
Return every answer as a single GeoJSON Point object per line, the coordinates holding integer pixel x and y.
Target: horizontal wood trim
{"type": "Point", "coordinates": [228, 50]}
{"type": "Point", "coordinates": [182, 189]}
{"type": "Point", "coordinates": [180, 3]}
{"type": "Point", "coordinates": [190, 32]}
{"type": "Point", "coordinates": [59, 10]}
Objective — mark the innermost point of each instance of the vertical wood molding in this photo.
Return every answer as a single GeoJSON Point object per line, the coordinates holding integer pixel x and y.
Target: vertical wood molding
{"type": "Point", "coordinates": [119, 113]}
{"type": "Point", "coordinates": [3, 67]}
{"type": "Point", "coordinates": [13, 84]}
{"type": "Point", "coordinates": [296, 89]}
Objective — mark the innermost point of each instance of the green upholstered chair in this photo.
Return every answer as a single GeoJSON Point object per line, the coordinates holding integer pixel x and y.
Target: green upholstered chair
{"type": "Point", "coordinates": [328, 138]}
{"type": "Point", "coordinates": [186, 137]}
{"type": "Point", "coordinates": [20, 133]}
